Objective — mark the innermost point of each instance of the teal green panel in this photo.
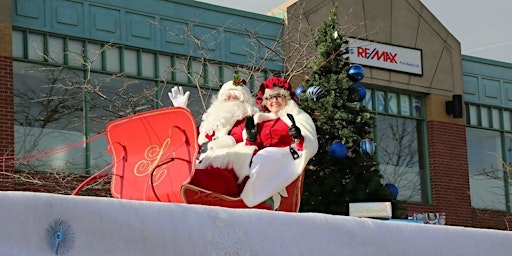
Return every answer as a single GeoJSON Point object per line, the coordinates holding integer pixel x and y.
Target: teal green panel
{"type": "Point", "coordinates": [30, 13]}
{"type": "Point", "coordinates": [507, 94]}
{"type": "Point", "coordinates": [172, 35]}
{"type": "Point", "coordinates": [470, 88]}
{"type": "Point", "coordinates": [105, 23]}
{"type": "Point", "coordinates": [490, 89]}
{"type": "Point", "coordinates": [68, 16]}
{"type": "Point", "coordinates": [139, 30]}
{"type": "Point", "coordinates": [143, 24]}
{"type": "Point", "coordinates": [487, 81]}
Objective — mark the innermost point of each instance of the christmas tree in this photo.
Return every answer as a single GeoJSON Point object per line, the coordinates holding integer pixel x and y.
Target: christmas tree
{"type": "Point", "coordinates": [344, 170]}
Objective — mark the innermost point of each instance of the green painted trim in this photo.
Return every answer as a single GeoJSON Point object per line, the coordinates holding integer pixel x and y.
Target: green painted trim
{"type": "Point", "coordinates": [122, 67]}
{"type": "Point", "coordinates": [206, 76]}
{"type": "Point", "coordinates": [66, 51]}
{"type": "Point", "coordinates": [486, 61]}
{"type": "Point", "coordinates": [173, 68]}
{"type": "Point", "coordinates": [87, 130]}
{"type": "Point", "coordinates": [424, 142]}
{"type": "Point", "coordinates": [139, 63]}
{"type": "Point", "coordinates": [46, 47]}
{"type": "Point", "coordinates": [103, 58]}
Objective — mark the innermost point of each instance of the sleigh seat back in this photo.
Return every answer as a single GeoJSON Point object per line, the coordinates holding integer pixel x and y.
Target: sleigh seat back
{"type": "Point", "coordinates": [153, 154]}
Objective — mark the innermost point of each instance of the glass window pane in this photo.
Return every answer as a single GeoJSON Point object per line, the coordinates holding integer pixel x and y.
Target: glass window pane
{"type": "Point", "coordinates": [35, 47]}
{"type": "Point", "coordinates": [214, 76]}
{"type": "Point", "coordinates": [56, 49]}
{"type": "Point", "coordinates": [148, 64]}
{"type": "Point", "coordinates": [484, 112]}
{"type": "Point", "coordinates": [392, 103]}
{"type": "Point", "coordinates": [506, 120]}
{"type": "Point", "coordinates": [473, 115]}
{"type": "Point", "coordinates": [115, 98]}
{"type": "Point", "coordinates": [380, 101]}
{"type": "Point", "coordinates": [18, 44]}
{"type": "Point", "coordinates": [259, 77]}
{"type": "Point", "coordinates": [94, 56]}
{"type": "Point", "coordinates": [417, 106]}
{"type": "Point", "coordinates": [181, 69]}
{"type": "Point", "coordinates": [113, 60]}
{"type": "Point", "coordinates": [164, 67]}
{"type": "Point", "coordinates": [368, 100]}
{"type": "Point", "coordinates": [496, 119]}
{"type": "Point", "coordinates": [400, 159]}
{"type": "Point", "coordinates": [485, 169]}
{"type": "Point", "coordinates": [196, 73]}
{"type": "Point", "coordinates": [228, 73]}
{"type": "Point", "coordinates": [75, 53]}
{"type": "Point", "coordinates": [48, 115]}
{"type": "Point", "coordinates": [131, 63]}
{"type": "Point", "coordinates": [405, 107]}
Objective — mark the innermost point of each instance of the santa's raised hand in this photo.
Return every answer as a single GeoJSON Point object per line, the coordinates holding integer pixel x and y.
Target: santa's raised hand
{"type": "Point", "coordinates": [178, 98]}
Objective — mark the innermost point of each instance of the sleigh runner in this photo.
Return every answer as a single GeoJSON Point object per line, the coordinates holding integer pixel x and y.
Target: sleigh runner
{"type": "Point", "coordinates": [154, 157]}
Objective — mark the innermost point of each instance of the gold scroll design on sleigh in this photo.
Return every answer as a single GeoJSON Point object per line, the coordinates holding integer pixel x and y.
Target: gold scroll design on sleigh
{"type": "Point", "coordinates": [153, 155]}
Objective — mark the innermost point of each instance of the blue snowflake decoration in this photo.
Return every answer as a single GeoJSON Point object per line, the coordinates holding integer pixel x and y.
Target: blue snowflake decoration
{"type": "Point", "coordinates": [60, 237]}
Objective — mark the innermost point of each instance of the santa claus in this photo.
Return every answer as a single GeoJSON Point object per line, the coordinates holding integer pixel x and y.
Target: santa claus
{"type": "Point", "coordinates": [222, 127]}
{"type": "Point", "coordinates": [223, 122]}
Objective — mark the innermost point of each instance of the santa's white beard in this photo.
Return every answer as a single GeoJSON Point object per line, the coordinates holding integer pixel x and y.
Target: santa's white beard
{"type": "Point", "coordinates": [221, 116]}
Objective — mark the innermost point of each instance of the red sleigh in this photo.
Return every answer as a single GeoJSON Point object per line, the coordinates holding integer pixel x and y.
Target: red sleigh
{"type": "Point", "coordinates": [154, 155]}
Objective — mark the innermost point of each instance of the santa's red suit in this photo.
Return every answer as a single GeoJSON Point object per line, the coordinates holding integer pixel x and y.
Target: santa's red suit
{"type": "Point", "coordinates": [222, 127]}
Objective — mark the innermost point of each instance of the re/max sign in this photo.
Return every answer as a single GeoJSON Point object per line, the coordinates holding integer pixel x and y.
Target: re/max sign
{"type": "Point", "coordinates": [375, 54]}
{"type": "Point", "coordinates": [385, 56]}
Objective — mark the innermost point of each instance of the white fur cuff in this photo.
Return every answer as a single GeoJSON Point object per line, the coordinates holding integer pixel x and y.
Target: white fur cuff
{"type": "Point", "coordinates": [222, 142]}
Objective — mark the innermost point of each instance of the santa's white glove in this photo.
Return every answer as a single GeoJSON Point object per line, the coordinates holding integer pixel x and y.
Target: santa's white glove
{"type": "Point", "coordinates": [222, 142]}
{"type": "Point", "coordinates": [177, 97]}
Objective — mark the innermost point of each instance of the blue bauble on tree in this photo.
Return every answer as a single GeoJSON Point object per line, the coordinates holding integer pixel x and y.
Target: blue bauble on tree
{"type": "Point", "coordinates": [393, 189]}
{"type": "Point", "coordinates": [367, 147]}
{"type": "Point", "coordinates": [355, 73]}
{"type": "Point", "coordinates": [338, 151]}
{"type": "Point", "coordinates": [299, 90]}
{"type": "Point", "coordinates": [361, 92]}
{"type": "Point", "coordinates": [315, 92]}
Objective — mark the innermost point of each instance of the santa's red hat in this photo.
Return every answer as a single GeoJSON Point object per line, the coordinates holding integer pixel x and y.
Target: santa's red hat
{"type": "Point", "coordinates": [273, 83]}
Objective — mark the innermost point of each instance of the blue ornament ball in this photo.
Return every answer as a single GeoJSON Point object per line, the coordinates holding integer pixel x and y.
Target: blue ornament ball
{"type": "Point", "coordinates": [355, 73]}
{"type": "Point", "coordinates": [338, 151]}
{"type": "Point", "coordinates": [367, 147]}
{"type": "Point", "coordinates": [299, 90]}
{"type": "Point", "coordinates": [392, 187]}
{"type": "Point", "coordinates": [315, 92]}
{"type": "Point", "coordinates": [361, 92]}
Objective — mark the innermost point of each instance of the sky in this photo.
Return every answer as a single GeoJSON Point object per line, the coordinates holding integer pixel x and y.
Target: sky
{"type": "Point", "coordinates": [481, 26]}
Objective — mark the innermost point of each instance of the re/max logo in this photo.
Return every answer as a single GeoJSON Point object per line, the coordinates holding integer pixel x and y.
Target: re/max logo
{"type": "Point", "coordinates": [375, 54]}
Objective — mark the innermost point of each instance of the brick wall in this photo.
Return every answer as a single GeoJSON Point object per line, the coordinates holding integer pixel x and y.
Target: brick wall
{"type": "Point", "coordinates": [450, 181]}
{"type": "Point", "coordinates": [6, 93]}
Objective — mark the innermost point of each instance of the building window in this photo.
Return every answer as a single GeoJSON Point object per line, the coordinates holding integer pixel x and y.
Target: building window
{"type": "Point", "coordinates": [401, 151]}
{"type": "Point", "coordinates": [48, 117]}
{"type": "Point", "coordinates": [67, 89]}
{"type": "Point", "coordinates": [489, 144]}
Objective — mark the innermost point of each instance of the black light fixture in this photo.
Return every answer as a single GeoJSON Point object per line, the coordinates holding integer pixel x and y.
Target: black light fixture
{"type": "Point", "coordinates": [454, 106]}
